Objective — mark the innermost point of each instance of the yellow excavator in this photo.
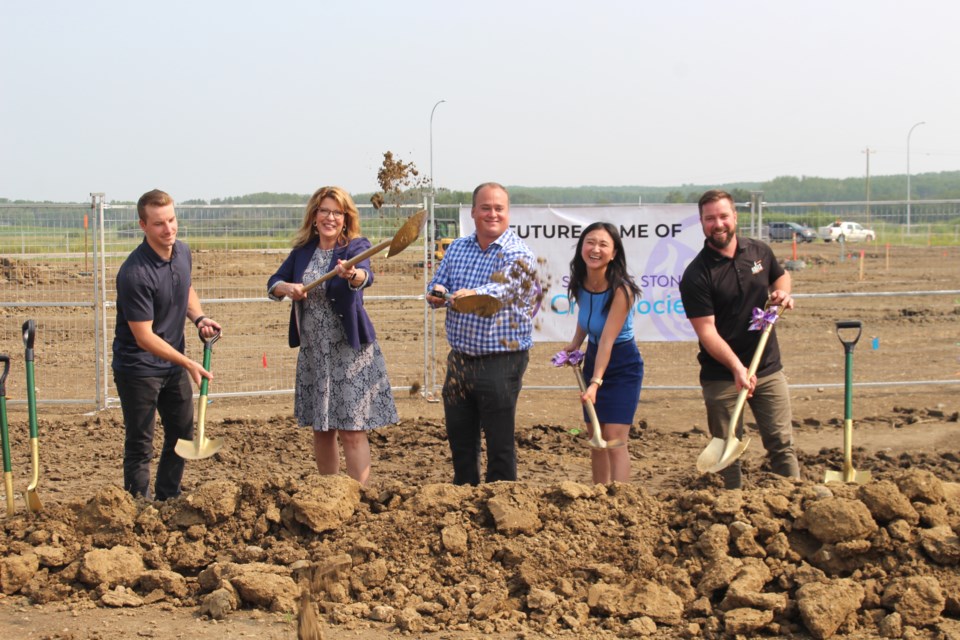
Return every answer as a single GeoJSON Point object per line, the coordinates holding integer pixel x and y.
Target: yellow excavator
{"type": "Point", "coordinates": [445, 235]}
{"type": "Point", "coordinates": [441, 247]}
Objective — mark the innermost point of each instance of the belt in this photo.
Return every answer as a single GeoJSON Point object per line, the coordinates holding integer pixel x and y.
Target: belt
{"type": "Point", "coordinates": [487, 356]}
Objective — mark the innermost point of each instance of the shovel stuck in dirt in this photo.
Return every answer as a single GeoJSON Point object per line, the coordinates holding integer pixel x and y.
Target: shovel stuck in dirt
{"type": "Point", "coordinates": [200, 448]}
{"type": "Point", "coordinates": [5, 433]}
{"type": "Point", "coordinates": [596, 440]}
{"type": "Point", "coordinates": [722, 452]}
{"type": "Point", "coordinates": [407, 233]}
{"type": "Point", "coordinates": [848, 473]}
{"type": "Point", "coordinates": [34, 504]}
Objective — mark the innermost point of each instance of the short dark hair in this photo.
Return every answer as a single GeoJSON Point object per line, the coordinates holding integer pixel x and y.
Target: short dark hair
{"type": "Point", "coordinates": [154, 198]}
{"type": "Point", "coordinates": [713, 195]}
{"type": "Point", "coordinates": [495, 185]}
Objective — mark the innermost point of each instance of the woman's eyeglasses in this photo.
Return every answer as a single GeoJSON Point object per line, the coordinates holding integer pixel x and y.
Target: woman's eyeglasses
{"type": "Point", "coordinates": [329, 213]}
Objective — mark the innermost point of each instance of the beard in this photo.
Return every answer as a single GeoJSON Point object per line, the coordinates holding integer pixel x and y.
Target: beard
{"type": "Point", "coordinates": [723, 243]}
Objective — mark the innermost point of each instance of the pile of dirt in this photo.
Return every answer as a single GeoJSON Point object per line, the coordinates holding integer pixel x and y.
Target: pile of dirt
{"type": "Point", "coordinates": [781, 557]}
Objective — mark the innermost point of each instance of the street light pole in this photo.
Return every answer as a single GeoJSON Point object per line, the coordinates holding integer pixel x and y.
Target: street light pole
{"type": "Point", "coordinates": [430, 378]}
{"type": "Point", "coordinates": [909, 133]}
{"type": "Point", "coordinates": [432, 183]}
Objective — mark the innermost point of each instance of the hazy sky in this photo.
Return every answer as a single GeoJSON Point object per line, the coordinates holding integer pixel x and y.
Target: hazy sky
{"type": "Point", "coordinates": [208, 99]}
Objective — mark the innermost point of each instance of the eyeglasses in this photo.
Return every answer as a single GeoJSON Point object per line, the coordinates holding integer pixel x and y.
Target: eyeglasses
{"type": "Point", "coordinates": [329, 213]}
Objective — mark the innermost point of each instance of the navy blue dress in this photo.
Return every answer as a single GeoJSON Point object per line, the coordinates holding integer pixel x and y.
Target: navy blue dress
{"type": "Point", "coordinates": [619, 396]}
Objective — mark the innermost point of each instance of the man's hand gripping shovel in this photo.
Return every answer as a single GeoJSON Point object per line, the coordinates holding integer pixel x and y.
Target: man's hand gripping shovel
{"type": "Point", "coordinates": [200, 448]}
{"type": "Point", "coordinates": [722, 452]}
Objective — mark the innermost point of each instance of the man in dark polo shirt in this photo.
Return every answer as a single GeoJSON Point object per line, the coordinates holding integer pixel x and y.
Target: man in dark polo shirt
{"type": "Point", "coordinates": [150, 370]}
{"type": "Point", "coordinates": [720, 288]}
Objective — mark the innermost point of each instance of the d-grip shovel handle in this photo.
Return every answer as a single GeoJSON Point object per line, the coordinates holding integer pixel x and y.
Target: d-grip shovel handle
{"type": "Point", "coordinates": [849, 324]}
{"type": "Point", "coordinates": [207, 351]}
{"type": "Point", "coordinates": [29, 335]}
{"type": "Point", "coordinates": [5, 359]}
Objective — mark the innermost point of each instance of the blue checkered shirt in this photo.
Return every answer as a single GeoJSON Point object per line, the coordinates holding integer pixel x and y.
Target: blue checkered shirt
{"type": "Point", "coordinates": [506, 271]}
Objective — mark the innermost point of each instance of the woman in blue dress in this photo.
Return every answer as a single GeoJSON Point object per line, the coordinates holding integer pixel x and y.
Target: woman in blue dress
{"type": "Point", "coordinates": [605, 294]}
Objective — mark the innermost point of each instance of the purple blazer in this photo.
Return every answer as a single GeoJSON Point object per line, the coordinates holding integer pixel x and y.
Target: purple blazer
{"type": "Point", "coordinates": [347, 303]}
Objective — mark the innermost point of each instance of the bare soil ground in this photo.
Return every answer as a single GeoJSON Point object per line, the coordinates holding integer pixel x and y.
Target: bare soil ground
{"type": "Point", "coordinates": [549, 556]}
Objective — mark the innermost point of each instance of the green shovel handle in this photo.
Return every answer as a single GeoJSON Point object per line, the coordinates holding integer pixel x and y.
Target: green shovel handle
{"type": "Point", "coordinates": [4, 432]}
{"type": "Point", "coordinates": [207, 351]}
{"type": "Point", "coordinates": [29, 335]}
{"type": "Point", "coordinates": [5, 359]}
{"type": "Point", "coordinates": [848, 346]}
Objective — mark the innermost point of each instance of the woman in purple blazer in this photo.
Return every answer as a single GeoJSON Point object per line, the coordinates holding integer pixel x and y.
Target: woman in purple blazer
{"type": "Point", "coordinates": [342, 389]}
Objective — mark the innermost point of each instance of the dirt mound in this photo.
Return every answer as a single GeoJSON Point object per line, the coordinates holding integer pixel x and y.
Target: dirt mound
{"type": "Point", "coordinates": [780, 558]}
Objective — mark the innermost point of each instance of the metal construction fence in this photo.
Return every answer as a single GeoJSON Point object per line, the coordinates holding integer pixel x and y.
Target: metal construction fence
{"type": "Point", "coordinates": [58, 265]}
{"type": "Point", "coordinates": [918, 222]}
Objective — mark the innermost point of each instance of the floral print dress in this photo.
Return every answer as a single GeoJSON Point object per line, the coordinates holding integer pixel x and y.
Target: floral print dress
{"type": "Point", "coordinates": [337, 386]}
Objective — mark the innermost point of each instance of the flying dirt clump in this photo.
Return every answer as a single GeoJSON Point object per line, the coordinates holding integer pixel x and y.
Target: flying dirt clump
{"type": "Point", "coordinates": [396, 179]}
{"type": "Point", "coordinates": [784, 558]}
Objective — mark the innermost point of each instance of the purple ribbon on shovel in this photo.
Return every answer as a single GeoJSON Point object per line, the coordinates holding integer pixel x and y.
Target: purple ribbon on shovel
{"type": "Point", "coordinates": [572, 358]}
{"type": "Point", "coordinates": [763, 318]}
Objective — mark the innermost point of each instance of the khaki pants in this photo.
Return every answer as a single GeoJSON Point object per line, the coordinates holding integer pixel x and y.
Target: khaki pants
{"type": "Point", "coordinates": [770, 405]}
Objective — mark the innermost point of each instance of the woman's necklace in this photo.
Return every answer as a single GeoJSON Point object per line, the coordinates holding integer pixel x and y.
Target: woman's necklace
{"type": "Point", "coordinates": [597, 285]}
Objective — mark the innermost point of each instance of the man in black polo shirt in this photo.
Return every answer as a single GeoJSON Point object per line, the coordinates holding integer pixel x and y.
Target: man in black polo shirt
{"type": "Point", "coordinates": [720, 288]}
{"type": "Point", "coordinates": [150, 370]}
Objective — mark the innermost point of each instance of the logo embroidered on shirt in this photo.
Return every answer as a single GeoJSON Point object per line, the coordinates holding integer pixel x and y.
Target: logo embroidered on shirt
{"type": "Point", "coordinates": [757, 267]}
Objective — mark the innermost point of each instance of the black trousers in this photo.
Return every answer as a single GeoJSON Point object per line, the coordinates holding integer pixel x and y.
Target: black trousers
{"type": "Point", "coordinates": [480, 396]}
{"type": "Point", "coordinates": [141, 399]}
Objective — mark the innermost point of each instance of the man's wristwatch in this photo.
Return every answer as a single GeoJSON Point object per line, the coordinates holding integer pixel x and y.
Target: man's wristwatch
{"type": "Point", "coordinates": [597, 381]}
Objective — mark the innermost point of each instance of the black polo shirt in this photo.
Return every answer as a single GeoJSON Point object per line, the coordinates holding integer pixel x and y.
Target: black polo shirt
{"type": "Point", "coordinates": [150, 288]}
{"type": "Point", "coordinates": [729, 289]}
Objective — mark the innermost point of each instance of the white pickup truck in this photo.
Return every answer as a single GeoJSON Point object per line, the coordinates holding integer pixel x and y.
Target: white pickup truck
{"type": "Point", "coordinates": [846, 232]}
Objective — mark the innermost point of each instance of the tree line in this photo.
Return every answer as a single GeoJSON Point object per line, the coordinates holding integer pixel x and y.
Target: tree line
{"type": "Point", "coordinates": [944, 185]}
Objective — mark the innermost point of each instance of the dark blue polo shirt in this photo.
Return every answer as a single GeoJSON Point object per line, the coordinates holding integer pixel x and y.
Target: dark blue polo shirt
{"type": "Point", "coordinates": [150, 288]}
{"type": "Point", "coordinates": [729, 289]}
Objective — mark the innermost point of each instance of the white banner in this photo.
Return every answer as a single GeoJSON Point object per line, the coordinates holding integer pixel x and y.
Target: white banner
{"type": "Point", "coordinates": [660, 241]}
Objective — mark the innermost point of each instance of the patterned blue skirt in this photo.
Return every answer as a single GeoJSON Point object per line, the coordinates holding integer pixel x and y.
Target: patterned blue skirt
{"type": "Point", "coordinates": [619, 396]}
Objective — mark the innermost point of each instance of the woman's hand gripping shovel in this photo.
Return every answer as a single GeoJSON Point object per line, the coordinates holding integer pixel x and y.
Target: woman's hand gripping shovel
{"type": "Point", "coordinates": [200, 448]}
{"type": "Point", "coordinates": [33, 499]}
{"type": "Point", "coordinates": [848, 474]}
{"type": "Point", "coordinates": [574, 358]}
{"type": "Point", "coordinates": [4, 431]}
{"type": "Point", "coordinates": [722, 452]}
{"type": "Point", "coordinates": [408, 232]}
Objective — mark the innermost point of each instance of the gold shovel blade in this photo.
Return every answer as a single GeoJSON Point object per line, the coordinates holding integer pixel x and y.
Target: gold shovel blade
{"type": "Point", "coordinates": [407, 233]}
{"type": "Point", "coordinates": [710, 455]}
{"type": "Point", "coordinates": [198, 449]}
{"type": "Point", "coordinates": [34, 505]}
{"type": "Point", "coordinates": [731, 453]}
{"type": "Point", "coordinates": [8, 484]}
{"type": "Point", "coordinates": [481, 305]}
{"type": "Point", "coordinates": [847, 476]}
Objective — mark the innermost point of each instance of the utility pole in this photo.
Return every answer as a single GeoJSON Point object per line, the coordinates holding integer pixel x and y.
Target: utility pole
{"type": "Point", "coordinates": [909, 133]}
{"type": "Point", "coordinates": [868, 152]}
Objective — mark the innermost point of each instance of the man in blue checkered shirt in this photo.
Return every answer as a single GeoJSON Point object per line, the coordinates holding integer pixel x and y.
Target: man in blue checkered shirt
{"type": "Point", "coordinates": [488, 356]}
